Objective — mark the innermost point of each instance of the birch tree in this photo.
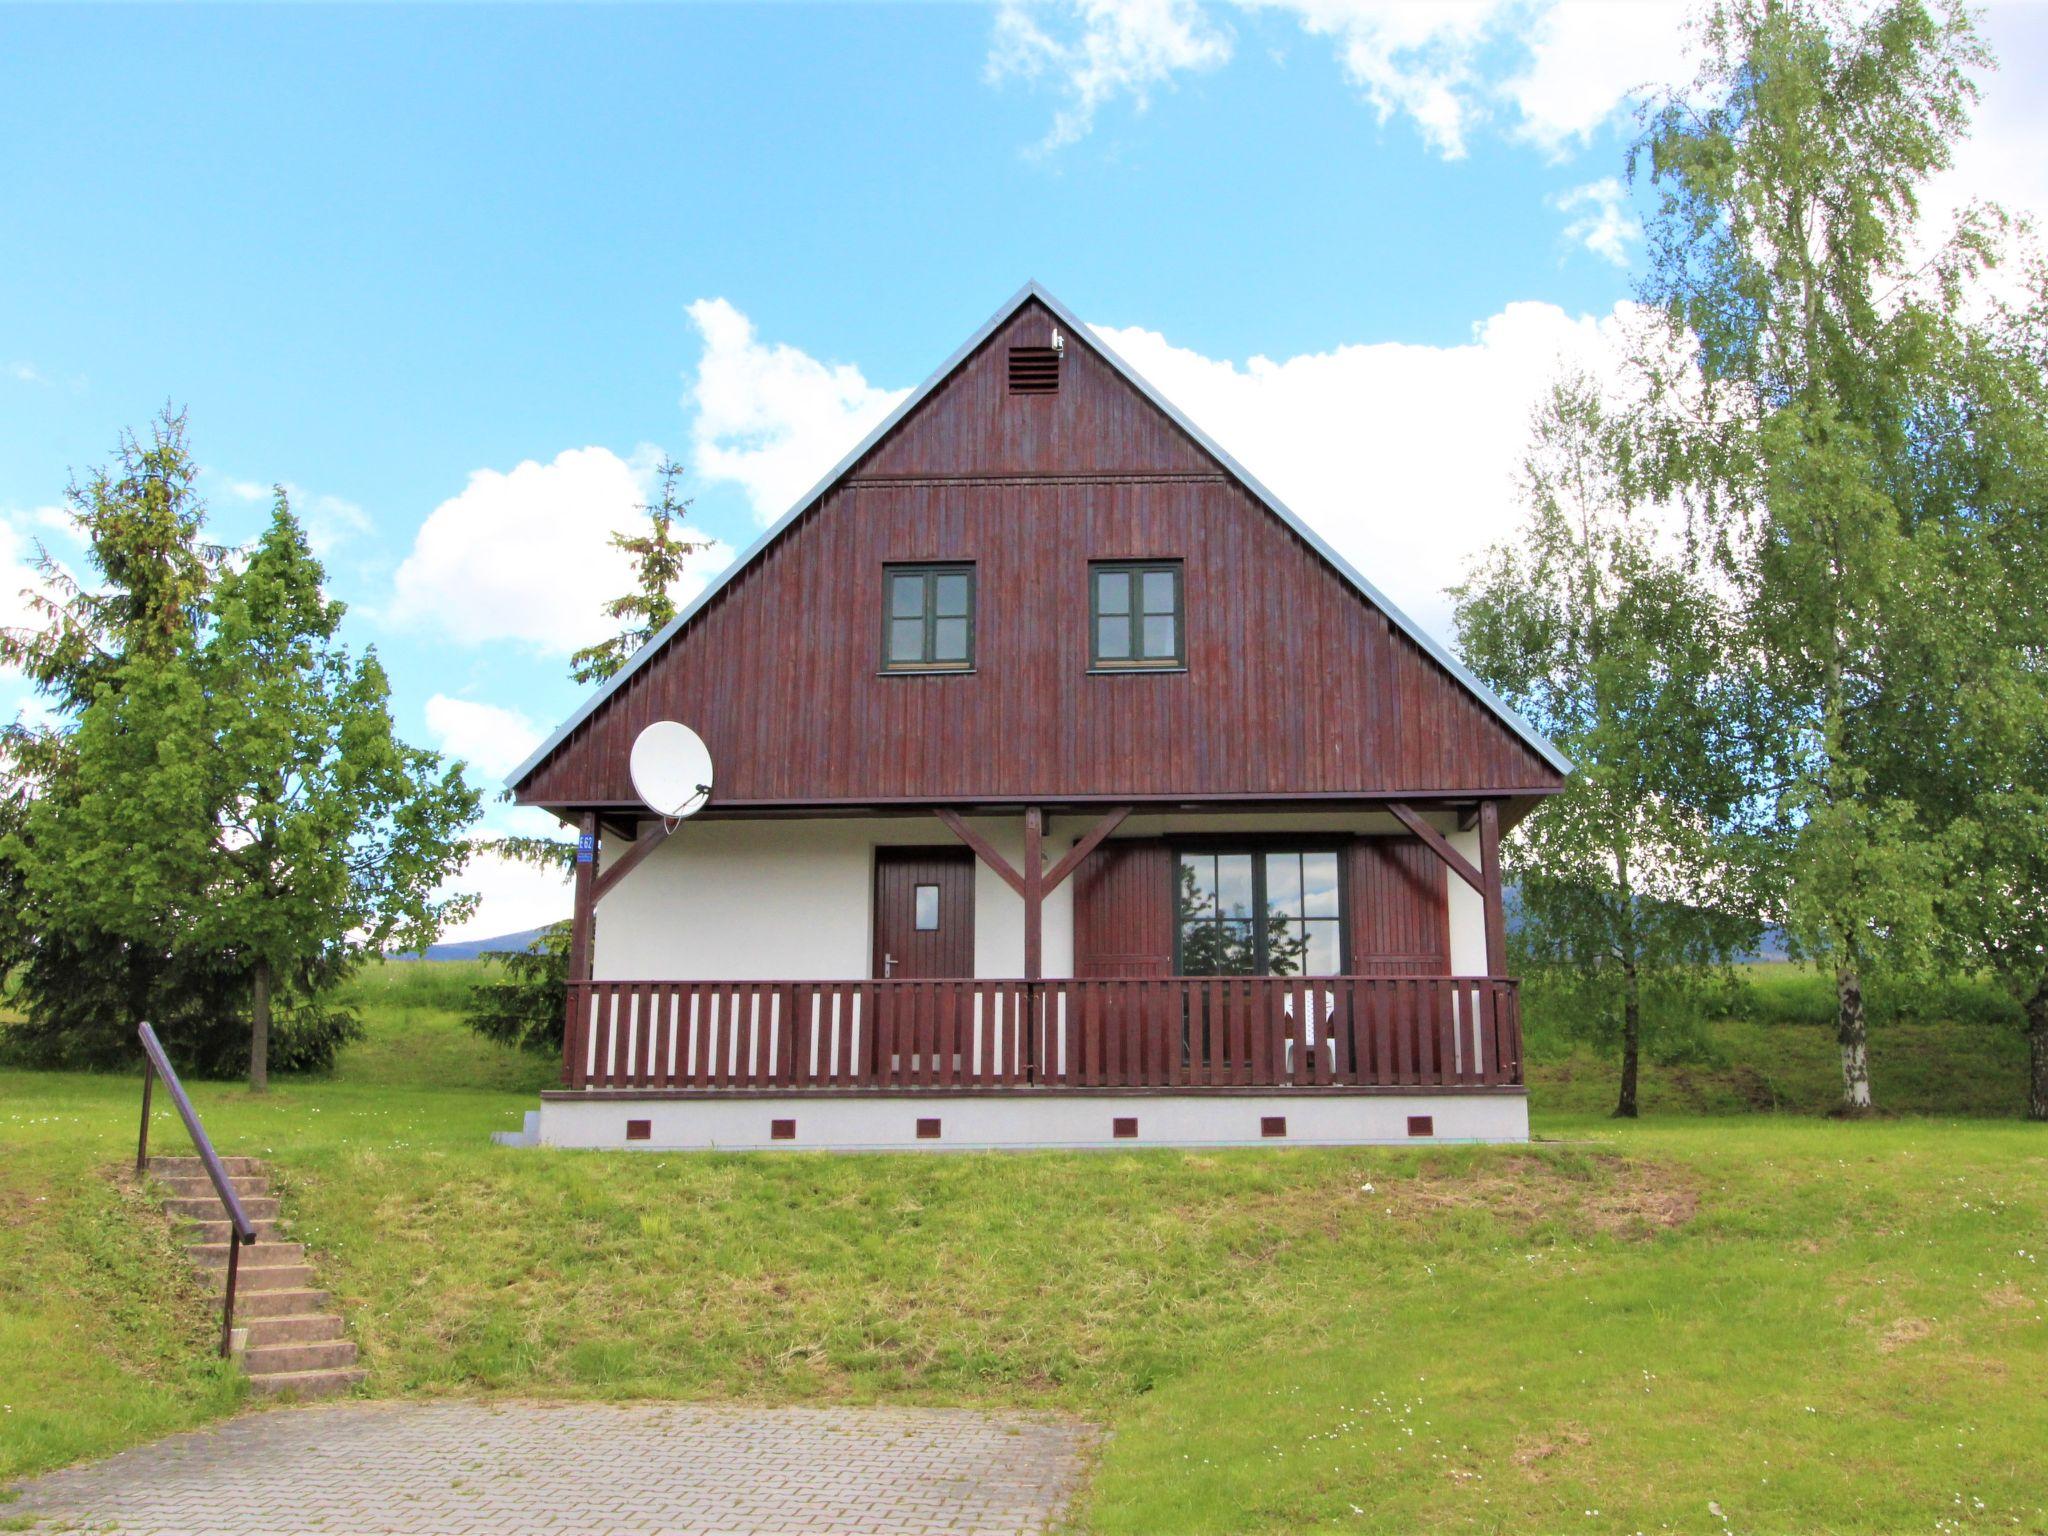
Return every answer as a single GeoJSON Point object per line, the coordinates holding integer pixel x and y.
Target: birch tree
{"type": "Point", "coordinates": [1787, 252]}
{"type": "Point", "coordinates": [1603, 635]}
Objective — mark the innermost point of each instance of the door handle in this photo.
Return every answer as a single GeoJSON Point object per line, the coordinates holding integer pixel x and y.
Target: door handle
{"type": "Point", "coordinates": [888, 966]}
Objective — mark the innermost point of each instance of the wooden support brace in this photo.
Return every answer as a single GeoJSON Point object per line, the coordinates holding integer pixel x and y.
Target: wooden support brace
{"type": "Point", "coordinates": [1086, 846]}
{"type": "Point", "coordinates": [983, 850]}
{"type": "Point", "coordinates": [643, 845]}
{"type": "Point", "coordinates": [1460, 865]}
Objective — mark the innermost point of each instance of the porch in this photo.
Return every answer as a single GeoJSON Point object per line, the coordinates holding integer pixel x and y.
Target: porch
{"type": "Point", "coordinates": [1218, 976]}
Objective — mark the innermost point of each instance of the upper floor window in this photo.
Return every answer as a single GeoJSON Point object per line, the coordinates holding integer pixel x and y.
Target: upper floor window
{"type": "Point", "coordinates": [1135, 614]}
{"type": "Point", "coordinates": [929, 622]}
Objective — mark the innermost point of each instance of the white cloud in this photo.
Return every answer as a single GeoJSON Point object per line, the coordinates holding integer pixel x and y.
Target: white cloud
{"type": "Point", "coordinates": [526, 555]}
{"type": "Point", "coordinates": [773, 419]}
{"type": "Point", "coordinates": [493, 740]}
{"type": "Point", "coordinates": [1403, 457]}
{"type": "Point", "coordinates": [1587, 60]}
{"type": "Point", "coordinates": [24, 373]}
{"type": "Point", "coordinates": [1118, 48]}
{"type": "Point", "coordinates": [1554, 71]}
{"type": "Point", "coordinates": [514, 897]}
{"type": "Point", "coordinates": [1417, 58]}
{"type": "Point", "coordinates": [1604, 224]}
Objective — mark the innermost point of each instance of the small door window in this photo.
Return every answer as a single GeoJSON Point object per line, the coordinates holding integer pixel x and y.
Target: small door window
{"type": "Point", "coordinates": [925, 915]}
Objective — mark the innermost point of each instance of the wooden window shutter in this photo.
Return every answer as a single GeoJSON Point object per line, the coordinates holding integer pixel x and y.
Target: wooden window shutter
{"type": "Point", "coordinates": [1123, 910]}
{"type": "Point", "coordinates": [1399, 908]}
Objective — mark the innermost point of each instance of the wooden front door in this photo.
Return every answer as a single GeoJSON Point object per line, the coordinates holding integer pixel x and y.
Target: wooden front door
{"type": "Point", "coordinates": [924, 912]}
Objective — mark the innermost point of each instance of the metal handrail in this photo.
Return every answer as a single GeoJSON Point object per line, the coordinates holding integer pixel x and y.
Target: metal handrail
{"type": "Point", "coordinates": [156, 1064]}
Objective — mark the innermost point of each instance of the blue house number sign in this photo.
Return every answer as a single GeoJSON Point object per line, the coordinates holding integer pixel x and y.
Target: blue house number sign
{"type": "Point", "coordinates": [586, 847]}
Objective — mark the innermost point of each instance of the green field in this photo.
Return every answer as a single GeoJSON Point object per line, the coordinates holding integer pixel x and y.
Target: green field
{"type": "Point", "coordinates": [1804, 1324]}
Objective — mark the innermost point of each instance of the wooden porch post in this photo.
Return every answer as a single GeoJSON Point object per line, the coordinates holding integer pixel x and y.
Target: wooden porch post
{"type": "Point", "coordinates": [1034, 894]}
{"type": "Point", "coordinates": [580, 925]}
{"type": "Point", "coordinates": [1490, 890]}
{"type": "Point", "coordinates": [1034, 882]}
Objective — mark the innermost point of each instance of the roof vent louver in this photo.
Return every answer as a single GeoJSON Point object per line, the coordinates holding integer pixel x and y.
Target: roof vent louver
{"type": "Point", "coordinates": [1034, 370]}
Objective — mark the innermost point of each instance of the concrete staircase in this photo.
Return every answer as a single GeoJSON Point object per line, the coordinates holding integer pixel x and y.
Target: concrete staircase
{"type": "Point", "coordinates": [288, 1335]}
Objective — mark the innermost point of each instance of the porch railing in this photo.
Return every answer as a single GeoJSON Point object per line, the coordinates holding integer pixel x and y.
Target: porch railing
{"type": "Point", "coordinates": [1175, 1032]}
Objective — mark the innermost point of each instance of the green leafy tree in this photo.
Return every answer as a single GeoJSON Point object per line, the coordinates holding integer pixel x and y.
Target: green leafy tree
{"type": "Point", "coordinates": [661, 553]}
{"type": "Point", "coordinates": [1632, 882]}
{"type": "Point", "coordinates": [526, 1003]}
{"type": "Point", "coordinates": [250, 798]}
{"type": "Point", "coordinates": [1969, 743]}
{"type": "Point", "coordinates": [1786, 253]}
{"type": "Point", "coordinates": [137, 596]}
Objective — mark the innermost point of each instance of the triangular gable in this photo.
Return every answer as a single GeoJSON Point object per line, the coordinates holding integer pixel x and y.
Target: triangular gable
{"type": "Point", "coordinates": [1177, 439]}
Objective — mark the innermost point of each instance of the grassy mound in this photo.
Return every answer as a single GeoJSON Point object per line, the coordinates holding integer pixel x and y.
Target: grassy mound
{"type": "Point", "coordinates": [1804, 1324]}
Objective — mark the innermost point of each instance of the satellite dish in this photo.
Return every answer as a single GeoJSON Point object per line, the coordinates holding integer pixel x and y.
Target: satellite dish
{"type": "Point", "coordinates": [671, 769]}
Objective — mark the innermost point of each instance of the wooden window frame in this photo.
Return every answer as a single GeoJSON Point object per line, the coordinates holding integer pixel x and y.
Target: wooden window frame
{"type": "Point", "coordinates": [929, 570]}
{"type": "Point", "coordinates": [1259, 844]}
{"type": "Point", "coordinates": [1136, 570]}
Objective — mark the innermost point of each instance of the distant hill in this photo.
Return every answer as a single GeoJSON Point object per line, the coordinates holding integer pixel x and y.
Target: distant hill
{"type": "Point", "coordinates": [469, 949]}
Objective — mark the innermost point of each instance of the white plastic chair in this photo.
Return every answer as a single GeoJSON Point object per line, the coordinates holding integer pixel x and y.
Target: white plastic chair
{"type": "Point", "coordinates": [1315, 1031]}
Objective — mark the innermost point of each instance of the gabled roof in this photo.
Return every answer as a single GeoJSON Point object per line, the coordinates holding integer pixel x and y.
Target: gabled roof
{"type": "Point", "coordinates": [1079, 329]}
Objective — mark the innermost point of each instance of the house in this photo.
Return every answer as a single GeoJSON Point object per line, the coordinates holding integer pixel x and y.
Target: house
{"type": "Point", "coordinates": [1068, 791]}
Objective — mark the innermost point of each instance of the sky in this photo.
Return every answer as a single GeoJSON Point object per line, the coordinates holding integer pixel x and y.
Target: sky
{"type": "Point", "coordinates": [456, 276]}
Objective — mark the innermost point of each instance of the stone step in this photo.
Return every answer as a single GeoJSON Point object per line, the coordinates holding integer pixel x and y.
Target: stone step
{"type": "Point", "coordinates": [192, 1167]}
{"type": "Point", "coordinates": [282, 1301]}
{"type": "Point", "coordinates": [201, 1188]}
{"type": "Point", "coordinates": [256, 1255]}
{"type": "Point", "coordinates": [207, 1207]}
{"type": "Point", "coordinates": [268, 1231]}
{"type": "Point", "coordinates": [310, 1355]}
{"type": "Point", "coordinates": [290, 1328]}
{"type": "Point", "coordinates": [307, 1384]}
{"type": "Point", "coordinates": [283, 1277]}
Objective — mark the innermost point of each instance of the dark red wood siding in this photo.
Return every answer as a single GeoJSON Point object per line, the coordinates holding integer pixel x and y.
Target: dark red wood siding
{"type": "Point", "coordinates": [1399, 908]}
{"type": "Point", "coordinates": [1123, 910]}
{"type": "Point", "coordinates": [1295, 684]}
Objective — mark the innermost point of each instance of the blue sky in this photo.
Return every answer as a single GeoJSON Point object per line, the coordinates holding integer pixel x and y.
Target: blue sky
{"type": "Point", "coordinates": [390, 256]}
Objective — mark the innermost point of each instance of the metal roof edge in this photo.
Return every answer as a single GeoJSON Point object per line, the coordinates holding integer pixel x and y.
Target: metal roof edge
{"type": "Point", "coordinates": [1032, 290]}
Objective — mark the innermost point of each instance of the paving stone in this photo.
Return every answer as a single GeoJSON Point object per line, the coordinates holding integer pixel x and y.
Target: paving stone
{"type": "Point", "coordinates": [509, 1469]}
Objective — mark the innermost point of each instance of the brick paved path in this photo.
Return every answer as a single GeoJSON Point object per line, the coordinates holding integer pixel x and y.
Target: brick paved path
{"type": "Point", "coordinates": [508, 1469]}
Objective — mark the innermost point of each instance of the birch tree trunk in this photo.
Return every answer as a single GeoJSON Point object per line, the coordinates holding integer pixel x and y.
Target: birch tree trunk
{"type": "Point", "coordinates": [1853, 1034]}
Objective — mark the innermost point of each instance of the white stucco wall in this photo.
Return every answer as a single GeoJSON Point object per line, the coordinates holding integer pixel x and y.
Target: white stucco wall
{"type": "Point", "coordinates": [790, 899]}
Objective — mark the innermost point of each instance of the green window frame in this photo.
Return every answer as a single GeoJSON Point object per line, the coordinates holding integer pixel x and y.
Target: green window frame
{"type": "Point", "coordinates": [928, 617]}
{"type": "Point", "coordinates": [1137, 616]}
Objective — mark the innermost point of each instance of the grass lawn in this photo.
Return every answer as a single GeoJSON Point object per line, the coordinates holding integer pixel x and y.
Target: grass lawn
{"type": "Point", "coordinates": [1805, 1325]}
